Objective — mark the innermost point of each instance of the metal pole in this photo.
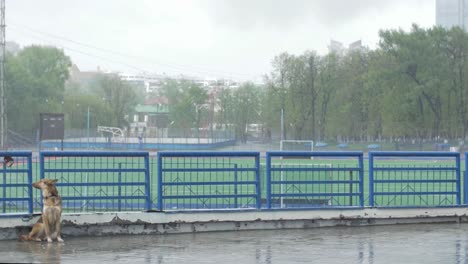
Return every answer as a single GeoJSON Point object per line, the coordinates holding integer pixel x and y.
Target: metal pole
{"type": "Point", "coordinates": [458, 178]}
{"type": "Point", "coordinates": [85, 202]}
{"type": "Point", "coordinates": [361, 179]}
{"type": "Point", "coordinates": [236, 204]}
{"type": "Point", "coordinates": [87, 126]}
{"type": "Point", "coordinates": [4, 187]}
{"type": "Point", "coordinates": [282, 125]}
{"type": "Point", "coordinates": [160, 182]}
{"type": "Point", "coordinates": [465, 181]}
{"type": "Point", "coordinates": [119, 188]}
{"type": "Point", "coordinates": [258, 180]}
{"type": "Point", "coordinates": [350, 187]}
{"type": "Point", "coordinates": [3, 118]}
{"type": "Point", "coordinates": [30, 190]}
{"type": "Point", "coordinates": [371, 179]}
{"type": "Point", "coordinates": [148, 182]}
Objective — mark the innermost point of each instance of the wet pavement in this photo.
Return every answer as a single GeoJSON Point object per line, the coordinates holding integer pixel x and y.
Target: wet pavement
{"type": "Point", "coordinates": [447, 243]}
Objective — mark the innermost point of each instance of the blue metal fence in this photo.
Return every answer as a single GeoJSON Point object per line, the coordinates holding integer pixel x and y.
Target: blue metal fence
{"type": "Point", "coordinates": [314, 179]}
{"type": "Point", "coordinates": [208, 180]}
{"type": "Point", "coordinates": [113, 181]}
{"type": "Point", "coordinates": [418, 179]}
{"type": "Point", "coordinates": [16, 185]}
{"type": "Point", "coordinates": [99, 181]}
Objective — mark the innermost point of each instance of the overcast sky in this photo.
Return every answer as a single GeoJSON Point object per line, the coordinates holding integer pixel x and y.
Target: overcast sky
{"type": "Point", "coordinates": [207, 38]}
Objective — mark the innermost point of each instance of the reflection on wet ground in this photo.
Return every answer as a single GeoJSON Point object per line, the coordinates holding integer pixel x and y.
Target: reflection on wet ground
{"type": "Point", "coordinates": [380, 244]}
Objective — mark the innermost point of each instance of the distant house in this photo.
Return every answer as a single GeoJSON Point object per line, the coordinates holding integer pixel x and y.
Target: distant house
{"type": "Point", "coordinates": [151, 118]}
{"type": "Point", "coordinates": [86, 79]}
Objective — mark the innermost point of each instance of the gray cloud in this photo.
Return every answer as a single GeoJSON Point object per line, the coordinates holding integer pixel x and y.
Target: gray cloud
{"type": "Point", "coordinates": [285, 13]}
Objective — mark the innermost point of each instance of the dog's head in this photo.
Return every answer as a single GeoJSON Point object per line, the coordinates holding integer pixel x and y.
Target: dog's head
{"type": "Point", "coordinates": [45, 184]}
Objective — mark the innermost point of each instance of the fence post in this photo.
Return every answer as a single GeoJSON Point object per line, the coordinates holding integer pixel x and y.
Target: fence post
{"type": "Point", "coordinates": [148, 182]}
{"type": "Point", "coordinates": [257, 176]}
{"type": "Point", "coordinates": [371, 179]}
{"type": "Point", "coordinates": [41, 173]}
{"type": "Point", "coordinates": [361, 179]}
{"type": "Point", "coordinates": [119, 188]}
{"type": "Point", "coordinates": [465, 181]}
{"type": "Point", "coordinates": [30, 189]}
{"type": "Point", "coordinates": [457, 161]}
{"type": "Point", "coordinates": [4, 187]}
{"type": "Point", "coordinates": [351, 188]}
{"type": "Point", "coordinates": [236, 204]}
{"type": "Point", "coordinates": [160, 183]}
{"type": "Point", "coordinates": [268, 180]}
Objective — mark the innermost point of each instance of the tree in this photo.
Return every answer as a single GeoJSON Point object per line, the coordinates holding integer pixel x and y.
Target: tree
{"type": "Point", "coordinates": [246, 102]}
{"type": "Point", "coordinates": [421, 65]}
{"type": "Point", "coordinates": [329, 81]}
{"type": "Point", "coordinates": [35, 78]}
{"type": "Point", "coordinates": [119, 97]}
{"type": "Point", "coordinates": [276, 92]}
{"type": "Point", "coordinates": [187, 102]}
{"type": "Point", "coordinates": [226, 113]}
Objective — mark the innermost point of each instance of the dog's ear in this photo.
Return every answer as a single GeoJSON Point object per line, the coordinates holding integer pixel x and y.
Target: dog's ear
{"type": "Point", "coordinates": [54, 181]}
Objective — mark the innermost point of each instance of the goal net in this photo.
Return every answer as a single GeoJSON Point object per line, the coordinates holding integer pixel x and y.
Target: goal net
{"type": "Point", "coordinates": [297, 145]}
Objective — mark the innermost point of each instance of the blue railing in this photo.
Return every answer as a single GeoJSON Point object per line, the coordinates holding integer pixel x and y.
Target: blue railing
{"type": "Point", "coordinates": [120, 181]}
{"type": "Point", "coordinates": [420, 179]}
{"type": "Point", "coordinates": [314, 179]}
{"type": "Point", "coordinates": [16, 185]}
{"type": "Point", "coordinates": [99, 181]}
{"type": "Point", "coordinates": [208, 180]}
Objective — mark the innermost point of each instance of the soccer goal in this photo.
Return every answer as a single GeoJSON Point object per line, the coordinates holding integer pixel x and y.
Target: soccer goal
{"type": "Point", "coordinates": [296, 145]}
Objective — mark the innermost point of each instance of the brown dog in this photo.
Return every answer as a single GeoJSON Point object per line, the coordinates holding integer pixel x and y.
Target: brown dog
{"type": "Point", "coordinates": [51, 213]}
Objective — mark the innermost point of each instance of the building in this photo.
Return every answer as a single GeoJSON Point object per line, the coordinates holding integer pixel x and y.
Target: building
{"type": "Point", "coordinates": [452, 13]}
{"type": "Point", "coordinates": [153, 82]}
{"type": "Point", "coordinates": [151, 118]}
{"type": "Point", "coordinates": [336, 47]}
{"type": "Point", "coordinates": [340, 49]}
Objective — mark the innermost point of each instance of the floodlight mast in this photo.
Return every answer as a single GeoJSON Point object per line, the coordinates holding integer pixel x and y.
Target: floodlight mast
{"type": "Point", "coordinates": [3, 116]}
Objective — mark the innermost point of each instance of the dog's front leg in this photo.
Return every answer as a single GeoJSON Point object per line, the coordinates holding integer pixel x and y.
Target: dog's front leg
{"type": "Point", "coordinates": [47, 228]}
{"type": "Point", "coordinates": [57, 229]}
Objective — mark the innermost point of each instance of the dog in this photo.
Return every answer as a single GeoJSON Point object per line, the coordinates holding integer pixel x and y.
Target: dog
{"type": "Point", "coordinates": [49, 228]}
{"type": "Point", "coordinates": [8, 160]}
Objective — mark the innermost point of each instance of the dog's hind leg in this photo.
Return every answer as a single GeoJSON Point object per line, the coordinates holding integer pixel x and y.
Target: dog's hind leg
{"type": "Point", "coordinates": [37, 232]}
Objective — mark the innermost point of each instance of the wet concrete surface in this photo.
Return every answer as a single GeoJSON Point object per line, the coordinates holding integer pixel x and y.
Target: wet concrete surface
{"type": "Point", "coordinates": [434, 243]}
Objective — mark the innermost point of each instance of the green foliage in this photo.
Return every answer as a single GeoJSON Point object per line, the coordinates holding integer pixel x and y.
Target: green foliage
{"type": "Point", "coordinates": [118, 96]}
{"type": "Point", "coordinates": [187, 103]}
{"type": "Point", "coordinates": [413, 85]}
{"type": "Point", "coordinates": [35, 83]}
{"type": "Point", "coordinates": [246, 108]}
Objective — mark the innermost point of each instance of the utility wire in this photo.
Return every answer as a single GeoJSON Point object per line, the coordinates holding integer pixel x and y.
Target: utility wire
{"type": "Point", "coordinates": [180, 68]}
{"type": "Point", "coordinates": [88, 54]}
{"type": "Point", "coordinates": [95, 56]}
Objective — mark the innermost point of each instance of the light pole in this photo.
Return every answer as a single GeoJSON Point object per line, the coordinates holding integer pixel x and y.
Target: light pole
{"type": "Point", "coordinates": [197, 108]}
{"type": "Point", "coordinates": [87, 128]}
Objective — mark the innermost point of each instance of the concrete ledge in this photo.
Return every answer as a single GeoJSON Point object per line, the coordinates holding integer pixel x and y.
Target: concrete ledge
{"type": "Point", "coordinates": [100, 224]}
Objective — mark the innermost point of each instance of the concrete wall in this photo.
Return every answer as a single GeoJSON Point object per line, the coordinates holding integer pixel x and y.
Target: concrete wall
{"type": "Point", "coordinates": [155, 223]}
